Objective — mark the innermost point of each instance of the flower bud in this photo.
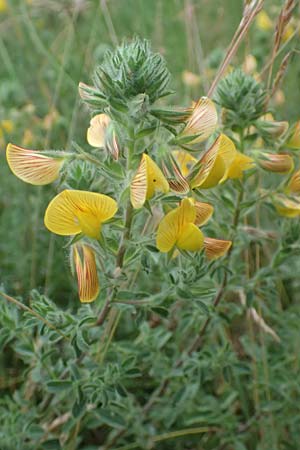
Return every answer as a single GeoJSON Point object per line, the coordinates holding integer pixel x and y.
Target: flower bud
{"type": "Point", "coordinates": [278, 163]}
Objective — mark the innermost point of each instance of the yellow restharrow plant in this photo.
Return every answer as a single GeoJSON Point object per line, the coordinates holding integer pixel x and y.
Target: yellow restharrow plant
{"type": "Point", "coordinates": [72, 212]}
{"type": "Point", "coordinates": [86, 271]}
{"type": "Point", "coordinates": [148, 179]}
{"type": "Point", "coordinates": [34, 166]}
{"type": "Point", "coordinates": [294, 139]}
{"type": "Point", "coordinates": [97, 130]}
{"type": "Point", "coordinates": [179, 228]}
{"type": "Point", "coordinates": [287, 207]}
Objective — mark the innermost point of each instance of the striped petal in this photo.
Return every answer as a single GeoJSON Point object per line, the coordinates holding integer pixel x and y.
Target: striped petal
{"type": "Point", "coordinates": [287, 207]}
{"type": "Point", "coordinates": [184, 160]}
{"type": "Point", "coordinates": [86, 270]}
{"type": "Point", "coordinates": [33, 166]}
{"type": "Point", "coordinates": [278, 163]}
{"type": "Point", "coordinates": [215, 164]}
{"type": "Point", "coordinates": [148, 179]}
{"type": "Point", "coordinates": [215, 248]}
{"type": "Point", "coordinates": [97, 130]}
{"type": "Point", "coordinates": [293, 186]}
{"type": "Point", "coordinates": [202, 122]}
{"type": "Point", "coordinates": [204, 212]}
{"type": "Point", "coordinates": [294, 140]}
{"type": "Point", "coordinates": [73, 212]}
{"type": "Point", "coordinates": [191, 238]}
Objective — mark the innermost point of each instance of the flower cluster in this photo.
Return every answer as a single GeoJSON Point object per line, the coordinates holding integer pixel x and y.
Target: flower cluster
{"type": "Point", "coordinates": [198, 156]}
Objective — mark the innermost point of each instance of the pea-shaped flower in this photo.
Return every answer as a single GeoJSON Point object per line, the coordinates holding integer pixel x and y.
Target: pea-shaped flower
{"type": "Point", "coordinates": [148, 179]}
{"type": "Point", "coordinates": [72, 212]}
{"type": "Point", "coordinates": [86, 271]}
{"type": "Point", "coordinates": [178, 228]}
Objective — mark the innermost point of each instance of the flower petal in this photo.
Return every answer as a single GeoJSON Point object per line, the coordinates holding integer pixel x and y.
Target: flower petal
{"type": "Point", "coordinates": [240, 163]}
{"type": "Point", "coordinates": [97, 129]}
{"type": "Point", "coordinates": [148, 179]}
{"type": "Point", "coordinates": [204, 212]}
{"type": "Point", "coordinates": [86, 269]}
{"type": "Point", "coordinates": [293, 186]}
{"type": "Point", "coordinates": [294, 140]}
{"type": "Point", "coordinates": [215, 248]}
{"type": "Point", "coordinates": [72, 212]}
{"type": "Point", "coordinates": [287, 207]}
{"type": "Point", "coordinates": [156, 180]}
{"type": "Point", "coordinates": [202, 122]}
{"type": "Point", "coordinates": [32, 166]}
{"type": "Point", "coordinates": [278, 163]}
{"type": "Point", "coordinates": [191, 238]}
{"type": "Point", "coordinates": [184, 160]}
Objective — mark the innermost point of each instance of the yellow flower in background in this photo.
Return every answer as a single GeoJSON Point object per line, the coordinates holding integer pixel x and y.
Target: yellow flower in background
{"type": "Point", "coordinates": [148, 179]}
{"type": "Point", "coordinates": [250, 64]}
{"type": "Point", "coordinates": [201, 124]}
{"type": "Point", "coordinates": [3, 6]}
{"type": "Point", "coordinates": [97, 130]}
{"type": "Point", "coordinates": [178, 229]}
{"type": "Point", "coordinates": [184, 160]}
{"type": "Point", "coordinates": [215, 164]}
{"type": "Point", "coordinates": [190, 79]}
{"type": "Point", "coordinates": [86, 271]}
{"type": "Point", "coordinates": [278, 163]}
{"type": "Point", "coordinates": [294, 139]}
{"type": "Point", "coordinates": [6, 126]}
{"type": "Point", "coordinates": [34, 166]}
{"type": "Point", "coordinates": [293, 186]}
{"type": "Point", "coordinates": [216, 248]}
{"type": "Point", "coordinates": [72, 212]}
{"type": "Point", "coordinates": [263, 21]}
{"type": "Point", "coordinates": [287, 207]}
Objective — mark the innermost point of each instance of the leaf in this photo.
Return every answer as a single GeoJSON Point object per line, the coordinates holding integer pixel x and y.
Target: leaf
{"type": "Point", "coordinates": [58, 386]}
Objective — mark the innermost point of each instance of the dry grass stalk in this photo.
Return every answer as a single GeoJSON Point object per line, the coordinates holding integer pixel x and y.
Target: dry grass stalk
{"type": "Point", "coordinates": [282, 22]}
{"type": "Point", "coordinates": [251, 9]}
{"type": "Point", "coordinates": [281, 73]}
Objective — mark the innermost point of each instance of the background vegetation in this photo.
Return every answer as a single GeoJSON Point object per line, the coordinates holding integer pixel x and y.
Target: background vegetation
{"type": "Point", "coordinates": [242, 390]}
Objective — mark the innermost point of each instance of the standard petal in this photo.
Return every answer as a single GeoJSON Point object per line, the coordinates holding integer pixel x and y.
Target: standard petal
{"type": "Point", "coordinates": [294, 140]}
{"type": "Point", "coordinates": [86, 270]}
{"type": "Point", "coordinates": [202, 122]}
{"type": "Point", "coordinates": [32, 166]}
{"type": "Point", "coordinates": [97, 130]}
{"type": "Point", "coordinates": [168, 231]}
{"type": "Point", "coordinates": [191, 238]}
{"type": "Point", "coordinates": [72, 212]}
{"type": "Point", "coordinates": [215, 248]}
{"type": "Point", "coordinates": [139, 184]}
{"type": "Point", "coordinates": [205, 165]}
{"type": "Point", "coordinates": [156, 180]}
{"type": "Point", "coordinates": [204, 212]}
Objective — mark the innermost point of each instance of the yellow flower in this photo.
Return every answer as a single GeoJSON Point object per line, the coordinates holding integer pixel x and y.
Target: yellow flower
{"type": "Point", "coordinates": [34, 166]}
{"type": "Point", "coordinates": [215, 248]}
{"type": "Point", "coordinates": [97, 130]}
{"type": "Point", "coordinates": [148, 179]}
{"type": "Point", "coordinates": [294, 139]}
{"type": "Point", "coordinates": [201, 124]}
{"type": "Point", "coordinates": [287, 207]}
{"type": "Point", "coordinates": [3, 6]}
{"type": "Point", "coordinates": [215, 164]}
{"type": "Point", "coordinates": [178, 229]}
{"type": "Point", "coordinates": [293, 186]}
{"type": "Point", "coordinates": [250, 64]}
{"type": "Point", "coordinates": [184, 160]}
{"type": "Point", "coordinates": [279, 163]}
{"type": "Point", "coordinates": [72, 212]}
{"type": "Point", "coordinates": [240, 163]}
{"type": "Point", "coordinates": [7, 126]}
{"type": "Point", "coordinates": [86, 270]}
{"type": "Point", "coordinates": [263, 21]}
{"type": "Point", "coordinates": [190, 79]}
